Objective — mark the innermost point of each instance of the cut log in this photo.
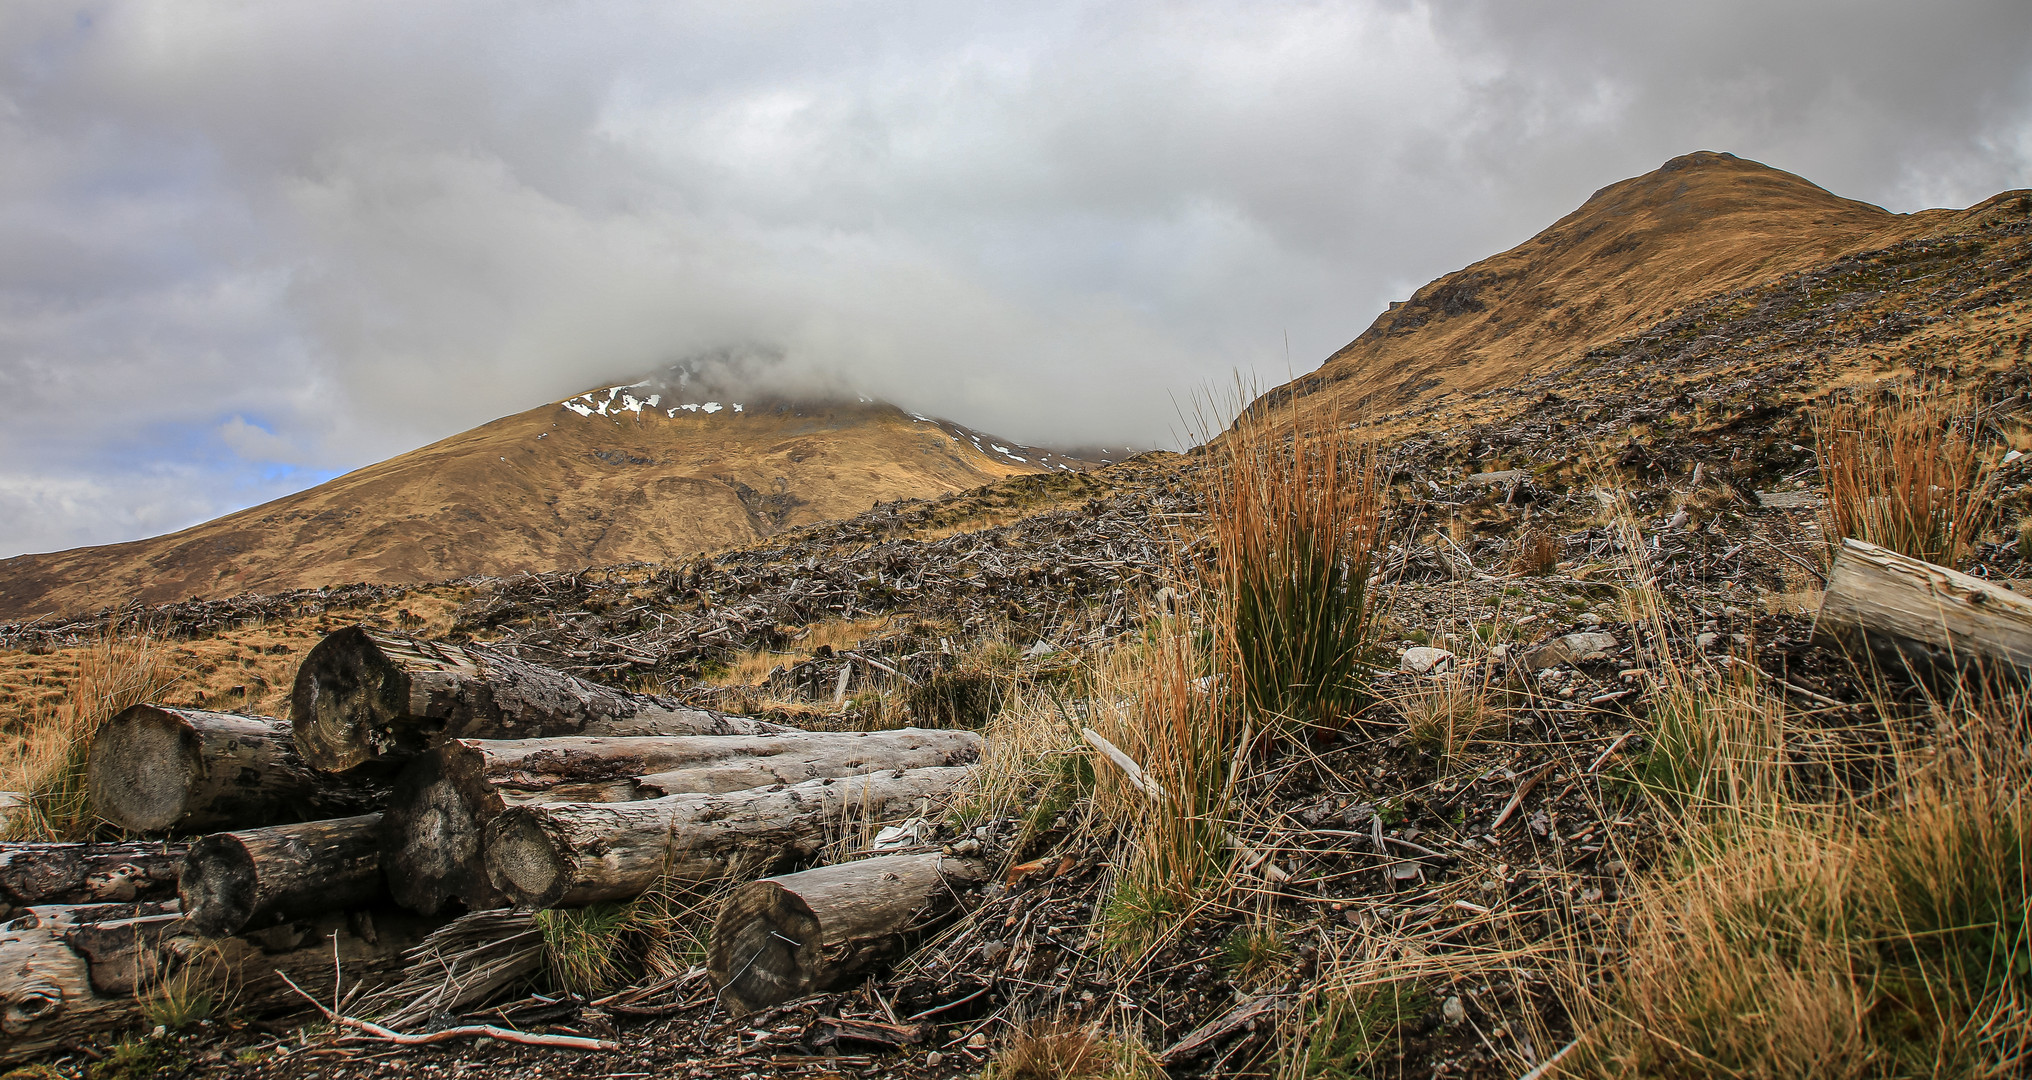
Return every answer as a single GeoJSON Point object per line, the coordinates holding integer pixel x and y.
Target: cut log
{"type": "Point", "coordinates": [49, 971]}
{"type": "Point", "coordinates": [785, 937]}
{"type": "Point", "coordinates": [33, 874]}
{"type": "Point", "coordinates": [1905, 613]}
{"type": "Point", "coordinates": [362, 696]}
{"type": "Point", "coordinates": [445, 798]}
{"type": "Point", "coordinates": [256, 877]}
{"type": "Point", "coordinates": [571, 854]}
{"type": "Point", "coordinates": [158, 769]}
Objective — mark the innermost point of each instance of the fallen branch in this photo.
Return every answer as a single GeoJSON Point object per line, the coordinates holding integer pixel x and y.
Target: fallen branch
{"type": "Point", "coordinates": [1137, 778]}
{"type": "Point", "coordinates": [1523, 789]}
{"type": "Point", "coordinates": [569, 1042]}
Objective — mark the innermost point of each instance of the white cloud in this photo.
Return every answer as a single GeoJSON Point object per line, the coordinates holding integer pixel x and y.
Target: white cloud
{"type": "Point", "coordinates": [315, 234]}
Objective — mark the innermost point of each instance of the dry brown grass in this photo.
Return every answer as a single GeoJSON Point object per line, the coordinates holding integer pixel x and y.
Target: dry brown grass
{"type": "Point", "coordinates": [1538, 552]}
{"type": "Point", "coordinates": [1448, 712]}
{"type": "Point", "coordinates": [753, 668]}
{"type": "Point", "coordinates": [1055, 1050]}
{"type": "Point", "coordinates": [1902, 469]}
{"type": "Point", "coordinates": [48, 766]}
{"type": "Point", "coordinates": [1158, 701]}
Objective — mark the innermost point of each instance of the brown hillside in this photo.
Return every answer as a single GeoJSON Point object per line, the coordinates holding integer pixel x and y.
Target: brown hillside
{"type": "Point", "coordinates": [1701, 225]}
{"type": "Point", "coordinates": [583, 482]}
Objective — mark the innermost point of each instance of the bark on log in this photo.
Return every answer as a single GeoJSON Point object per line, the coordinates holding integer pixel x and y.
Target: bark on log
{"type": "Point", "coordinates": [157, 769]}
{"type": "Point", "coordinates": [444, 799]}
{"type": "Point", "coordinates": [571, 854]}
{"type": "Point", "coordinates": [33, 874]}
{"type": "Point", "coordinates": [361, 696]}
{"type": "Point", "coordinates": [785, 937]}
{"type": "Point", "coordinates": [256, 877]}
{"type": "Point", "coordinates": [1935, 622]}
{"type": "Point", "coordinates": [48, 971]}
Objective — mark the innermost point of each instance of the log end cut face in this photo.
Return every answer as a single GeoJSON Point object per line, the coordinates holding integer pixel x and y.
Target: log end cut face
{"type": "Point", "coordinates": [532, 867]}
{"type": "Point", "coordinates": [431, 836]}
{"type": "Point", "coordinates": [347, 694]}
{"type": "Point", "coordinates": [147, 767]}
{"type": "Point", "coordinates": [218, 887]}
{"type": "Point", "coordinates": [766, 948]}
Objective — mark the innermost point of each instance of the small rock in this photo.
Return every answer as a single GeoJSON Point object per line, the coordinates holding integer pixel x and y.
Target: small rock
{"type": "Point", "coordinates": [1042, 648]}
{"type": "Point", "coordinates": [1499, 653]}
{"type": "Point", "coordinates": [932, 1059]}
{"type": "Point", "coordinates": [1424, 659]}
{"type": "Point", "coordinates": [978, 1042]}
{"type": "Point", "coordinates": [1589, 646]}
{"type": "Point", "coordinates": [2013, 456]}
{"type": "Point", "coordinates": [1705, 640]}
{"type": "Point", "coordinates": [1589, 618]}
{"type": "Point", "coordinates": [1454, 1012]}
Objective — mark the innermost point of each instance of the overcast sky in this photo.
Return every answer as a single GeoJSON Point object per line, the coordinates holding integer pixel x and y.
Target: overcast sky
{"type": "Point", "coordinates": [245, 246]}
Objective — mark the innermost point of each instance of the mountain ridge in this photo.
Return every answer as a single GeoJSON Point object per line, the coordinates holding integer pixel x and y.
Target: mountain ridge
{"type": "Point", "coordinates": [583, 481]}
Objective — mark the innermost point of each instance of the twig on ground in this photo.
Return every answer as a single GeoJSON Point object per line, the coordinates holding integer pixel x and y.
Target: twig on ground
{"type": "Point", "coordinates": [373, 1030]}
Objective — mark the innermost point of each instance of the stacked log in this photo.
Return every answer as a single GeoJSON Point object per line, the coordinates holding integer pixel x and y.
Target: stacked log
{"type": "Point", "coordinates": [40, 874]}
{"type": "Point", "coordinates": [460, 776]}
{"type": "Point", "coordinates": [362, 697]}
{"type": "Point", "coordinates": [784, 937]}
{"type": "Point", "coordinates": [74, 972]}
{"type": "Point", "coordinates": [159, 769]}
{"type": "Point", "coordinates": [572, 854]}
{"type": "Point", "coordinates": [445, 798]}
{"type": "Point", "coordinates": [258, 877]}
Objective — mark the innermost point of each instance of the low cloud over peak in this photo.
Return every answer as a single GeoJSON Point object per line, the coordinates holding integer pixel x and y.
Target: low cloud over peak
{"type": "Point", "coordinates": [243, 246]}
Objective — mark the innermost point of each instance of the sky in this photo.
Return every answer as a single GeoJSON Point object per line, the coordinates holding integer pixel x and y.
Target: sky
{"type": "Point", "coordinates": [247, 246]}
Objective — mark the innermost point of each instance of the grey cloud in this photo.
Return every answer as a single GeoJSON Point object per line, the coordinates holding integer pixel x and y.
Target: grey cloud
{"type": "Point", "coordinates": [332, 231]}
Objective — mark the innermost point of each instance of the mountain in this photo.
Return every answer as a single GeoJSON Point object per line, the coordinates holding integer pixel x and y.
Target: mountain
{"type": "Point", "coordinates": [605, 477]}
{"type": "Point", "coordinates": [1634, 256]}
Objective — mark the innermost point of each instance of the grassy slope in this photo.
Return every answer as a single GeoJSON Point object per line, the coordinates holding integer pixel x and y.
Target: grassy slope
{"type": "Point", "coordinates": [1637, 251]}
{"type": "Point", "coordinates": [541, 490]}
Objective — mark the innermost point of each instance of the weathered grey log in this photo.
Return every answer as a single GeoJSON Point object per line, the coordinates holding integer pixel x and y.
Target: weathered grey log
{"type": "Point", "coordinates": [50, 966]}
{"type": "Point", "coordinates": [362, 696]}
{"type": "Point", "coordinates": [256, 877]}
{"type": "Point", "coordinates": [785, 937]}
{"type": "Point", "coordinates": [1906, 613]}
{"type": "Point", "coordinates": [571, 854]}
{"type": "Point", "coordinates": [88, 873]}
{"type": "Point", "coordinates": [157, 769]}
{"type": "Point", "coordinates": [444, 798]}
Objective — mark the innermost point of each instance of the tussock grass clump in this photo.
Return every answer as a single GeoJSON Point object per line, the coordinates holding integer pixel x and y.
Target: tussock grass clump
{"type": "Point", "coordinates": [1295, 508]}
{"type": "Point", "coordinates": [49, 767]}
{"type": "Point", "coordinates": [1254, 953]}
{"type": "Point", "coordinates": [1903, 470]}
{"type": "Point", "coordinates": [198, 987]}
{"type": "Point", "coordinates": [595, 949]}
{"type": "Point", "coordinates": [1158, 702]}
{"type": "Point", "coordinates": [582, 947]}
{"type": "Point", "coordinates": [1820, 944]}
{"type": "Point", "coordinates": [1450, 711]}
{"type": "Point", "coordinates": [1348, 1030]}
{"type": "Point", "coordinates": [1054, 1050]}
{"type": "Point", "coordinates": [967, 692]}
